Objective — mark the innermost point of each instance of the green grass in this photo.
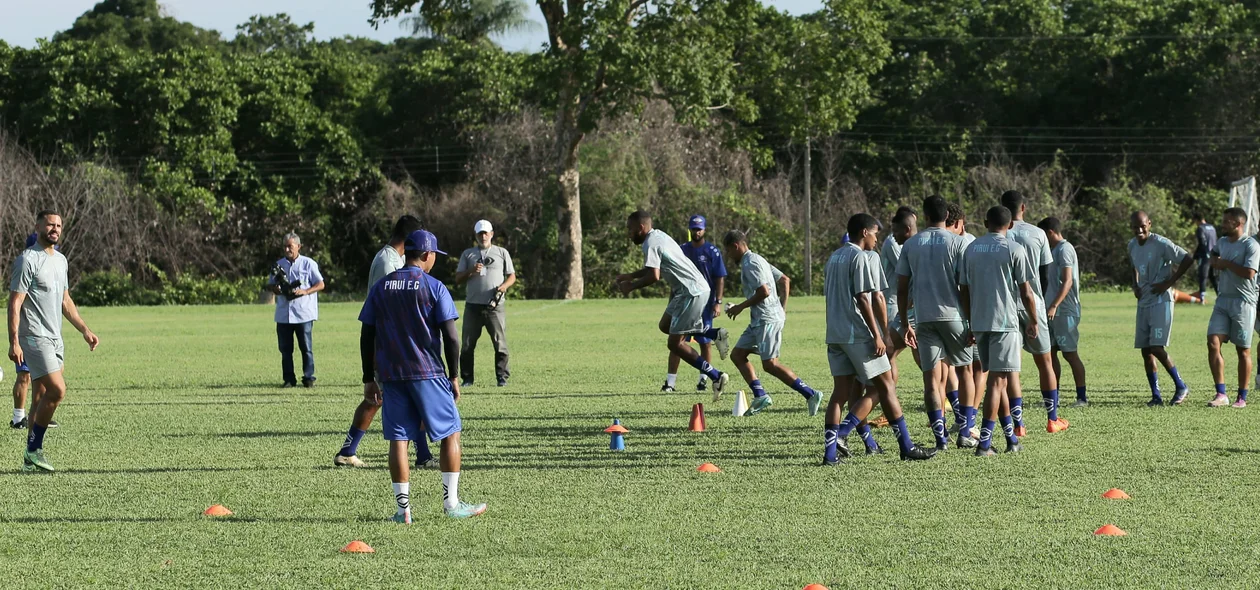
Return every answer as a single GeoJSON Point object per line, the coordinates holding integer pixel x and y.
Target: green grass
{"type": "Point", "coordinates": [179, 410]}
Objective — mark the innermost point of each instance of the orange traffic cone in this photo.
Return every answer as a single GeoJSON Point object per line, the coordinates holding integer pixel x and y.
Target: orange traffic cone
{"type": "Point", "coordinates": [217, 510]}
{"type": "Point", "coordinates": [697, 418]}
{"type": "Point", "coordinates": [1115, 494]}
{"type": "Point", "coordinates": [1110, 530]}
{"type": "Point", "coordinates": [708, 468]}
{"type": "Point", "coordinates": [357, 547]}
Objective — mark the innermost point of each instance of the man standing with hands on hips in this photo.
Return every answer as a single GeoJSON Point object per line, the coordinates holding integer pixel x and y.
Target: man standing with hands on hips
{"type": "Point", "coordinates": [487, 269]}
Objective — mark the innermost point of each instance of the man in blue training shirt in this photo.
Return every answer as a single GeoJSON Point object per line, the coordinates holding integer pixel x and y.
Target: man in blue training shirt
{"type": "Point", "coordinates": [408, 318]}
{"type": "Point", "coordinates": [708, 260]}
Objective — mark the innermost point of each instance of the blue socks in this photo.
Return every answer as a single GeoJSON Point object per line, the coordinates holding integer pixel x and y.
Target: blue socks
{"type": "Point", "coordinates": [864, 430]}
{"type": "Point", "coordinates": [757, 389]}
{"type": "Point", "coordinates": [969, 413]}
{"type": "Point", "coordinates": [351, 446]}
{"type": "Point", "coordinates": [959, 416]}
{"type": "Point", "coordinates": [423, 453]}
{"type": "Point", "coordinates": [1220, 389]}
{"type": "Point", "coordinates": [903, 434]}
{"type": "Point", "coordinates": [1017, 411]}
{"type": "Point", "coordinates": [1177, 378]}
{"type": "Point", "coordinates": [800, 387]}
{"type": "Point", "coordinates": [1051, 399]}
{"type": "Point", "coordinates": [1153, 379]}
{"type": "Point", "coordinates": [1242, 394]}
{"type": "Point", "coordinates": [35, 440]}
{"type": "Point", "coordinates": [937, 418]}
{"type": "Point", "coordinates": [848, 424]}
{"type": "Point", "coordinates": [1080, 394]}
{"type": "Point", "coordinates": [986, 434]}
{"type": "Point", "coordinates": [831, 436]}
{"type": "Point", "coordinates": [1008, 428]}
{"type": "Point", "coordinates": [711, 333]}
{"type": "Point", "coordinates": [704, 367]}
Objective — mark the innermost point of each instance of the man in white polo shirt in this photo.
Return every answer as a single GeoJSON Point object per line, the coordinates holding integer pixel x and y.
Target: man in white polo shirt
{"type": "Point", "coordinates": [487, 269]}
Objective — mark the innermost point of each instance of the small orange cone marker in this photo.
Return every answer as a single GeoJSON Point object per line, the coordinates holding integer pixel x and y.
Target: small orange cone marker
{"type": "Point", "coordinates": [1115, 494]}
{"type": "Point", "coordinates": [708, 468]}
{"type": "Point", "coordinates": [697, 418]}
{"type": "Point", "coordinates": [358, 547]}
{"type": "Point", "coordinates": [815, 587]}
{"type": "Point", "coordinates": [217, 510]}
{"type": "Point", "coordinates": [1110, 530]}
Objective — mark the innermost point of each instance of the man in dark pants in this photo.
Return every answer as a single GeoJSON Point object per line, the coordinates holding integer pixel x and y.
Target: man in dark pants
{"type": "Point", "coordinates": [296, 316]}
{"type": "Point", "coordinates": [1205, 238]}
{"type": "Point", "coordinates": [488, 271]}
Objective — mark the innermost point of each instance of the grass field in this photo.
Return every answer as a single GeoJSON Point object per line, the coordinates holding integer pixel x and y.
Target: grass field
{"type": "Point", "coordinates": [179, 409]}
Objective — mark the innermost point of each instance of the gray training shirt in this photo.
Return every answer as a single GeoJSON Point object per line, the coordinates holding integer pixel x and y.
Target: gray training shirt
{"type": "Point", "coordinates": [1244, 252]}
{"type": "Point", "coordinates": [754, 272]}
{"type": "Point", "coordinates": [386, 261]}
{"type": "Point", "coordinates": [661, 251]}
{"type": "Point", "coordinates": [1036, 247]}
{"type": "Point", "coordinates": [1064, 256]}
{"type": "Point", "coordinates": [889, 254]}
{"type": "Point", "coordinates": [42, 277]}
{"type": "Point", "coordinates": [498, 265]}
{"type": "Point", "coordinates": [932, 258]}
{"type": "Point", "coordinates": [993, 269]}
{"type": "Point", "coordinates": [1154, 262]}
{"type": "Point", "coordinates": [850, 272]}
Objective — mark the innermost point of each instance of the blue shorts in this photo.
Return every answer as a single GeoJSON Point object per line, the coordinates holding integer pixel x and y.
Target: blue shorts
{"type": "Point", "coordinates": [707, 316]}
{"type": "Point", "coordinates": [22, 368]}
{"type": "Point", "coordinates": [410, 406]}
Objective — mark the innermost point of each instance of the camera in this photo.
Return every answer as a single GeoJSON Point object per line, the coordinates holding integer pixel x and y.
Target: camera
{"type": "Point", "coordinates": [281, 277]}
{"type": "Point", "coordinates": [497, 300]}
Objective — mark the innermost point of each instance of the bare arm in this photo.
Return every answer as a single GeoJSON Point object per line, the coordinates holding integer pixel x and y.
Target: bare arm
{"type": "Point", "coordinates": [508, 282]}
{"type": "Point", "coordinates": [71, 312]}
{"type": "Point", "coordinates": [639, 279]}
{"type": "Point", "coordinates": [1026, 293]}
{"type": "Point", "coordinates": [1137, 289]}
{"type": "Point", "coordinates": [964, 299]}
{"type": "Point", "coordinates": [1238, 269]}
{"type": "Point", "coordinates": [1186, 263]}
{"type": "Point", "coordinates": [903, 308]}
{"type": "Point", "coordinates": [875, 316]}
{"type": "Point", "coordinates": [1066, 278]}
{"type": "Point", "coordinates": [15, 306]}
{"type": "Point", "coordinates": [316, 288]}
{"type": "Point", "coordinates": [785, 290]}
{"type": "Point", "coordinates": [763, 293]}
{"type": "Point", "coordinates": [462, 277]}
{"type": "Point", "coordinates": [721, 288]}
{"type": "Point", "coordinates": [450, 346]}
{"type": "Point", "coordinates": [1043, 273]}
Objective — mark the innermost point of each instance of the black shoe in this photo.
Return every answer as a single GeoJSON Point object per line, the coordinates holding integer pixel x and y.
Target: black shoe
{"type": "Point", "coordinates": [1015, 448]}
{"type": "Point", "coordinates": [966, 442]}
{"type": "Point", "coordinates": [874, 451]}
{"type": "Point", "coordinates": [308, 383]}
{"type": "Point", "coordinates": [502, 382]}
{"type": "Point", "coordinates": [826, 463]}
{"type": "Point", "coordinates": [1155, 402]}
{"type": "Point", "coordinates": [942, 445]}
{"type": "Point", "coordinates": [469, 383]}
{"type": "Point", "coordinates": [917, 454]}
{"type": "Point", "coordinates": [702, 385]}
{"type": "Point", "coordinates": [20, 425]}
{"type": "Point", "coordinates": [989, 452]}
{"type": "Point", "coordinates": [288, 384]}
{"type": "Point", "coordinates": [667, 388]}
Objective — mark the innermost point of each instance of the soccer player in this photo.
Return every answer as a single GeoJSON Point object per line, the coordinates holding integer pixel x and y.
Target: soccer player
{"type": "Point", "coordinates": [708, 260]}
{"type": "Point", "coordinates": [664, 260]}
{"type": "Point", "coordinates": [387, 260]}
{"type": "Point", "coordinates": [1237, 257]}
{"type": "Point", "coordinates": [930, 262]}
{"type": "Point", "coordinates": [995, 273]}
{"type": "Point", "coordinates": [957, 222]}
{"type": "Point", "coordinates": [1205, 243]}
{"type": "Point", "coordinates": [1153, 257]}
{"type": "Point", "coordinates": [1037, 250]}
{"type": "Point", "coordinates": [1063, 310]}
{"type": "Point", "coordinates": [904, 225]}
{"type": "Point", "coordinates": [39, 296]}
{"type": "Point", "coordinates": [408, 319]}
{"type": "Point", "coordinates": [764, 334]}
{"type": "Point", "coordinates": [856, 322]}
{"type": "Point", "coordinates": [22, 379]}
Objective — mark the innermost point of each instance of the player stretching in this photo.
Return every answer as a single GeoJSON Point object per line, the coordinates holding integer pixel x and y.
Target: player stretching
{"type": "Point", "coordinates": [1153, 257]}
{"type": "Point", "coordinates": [684, 315]}
{"type": "Point", "coordinates": [856, 322]}
{"type": "Point", "coordinates": [764, 334]}
{"type": "Point", "coordinates": [708, 260]}
{"type": "Point", "coordinates": [408, 319]}
{"type": "Point", "coordinates": [1237, 257]}
{"type": "Point", "coordinates": [996, 273]}
{"type": "Point", "coordinates": [904, 224]}
{"type": "Point", "coordinates": [1063, 292]}
{"type": "Point", "coordinates": [1037, 249]}
{"type": "Point", "coordinates": [930, 262]}
{"type": "Point", "coordinates": [957, 222]}
{"type": "Point", "coordinates": [39, 297]}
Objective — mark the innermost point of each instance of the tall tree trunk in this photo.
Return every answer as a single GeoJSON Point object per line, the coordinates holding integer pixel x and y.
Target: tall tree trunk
{"type": "Point", "coordinates": [569, 206]}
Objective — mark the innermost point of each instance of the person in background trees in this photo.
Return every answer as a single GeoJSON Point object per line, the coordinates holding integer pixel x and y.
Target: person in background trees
{"type": "Point", "coordinates": [1205, 242]}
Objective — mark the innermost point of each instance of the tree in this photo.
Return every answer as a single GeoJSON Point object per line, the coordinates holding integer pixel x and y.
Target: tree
{"type": "Point", "coordinates": [272, 33]}
{"type": "Point", "coordinates": [136, 24]}
{"type": "Point", "coordinates": [477, 21]}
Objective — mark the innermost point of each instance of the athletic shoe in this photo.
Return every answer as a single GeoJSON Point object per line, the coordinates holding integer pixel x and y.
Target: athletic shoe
{"type": "Point", "coordinates": [19, 425]}
{"type": "Point", "coordinates": [53, 424]}
{"type": "Point", "coordinates": [465, 510]}
{"type": "Point", "coordinates": [404, 518]}
{"type": "Point", "coordinates": [1064, 422]}
{"type": "Point", "coordinates": [351, 461]}
{"type": "Point", "coordinates": [308, 383]}
{"type": "Point", "coordinates": [826, 463]}
{"type": "Point", "coordinates": [966, 442]}
{"type": "Point", "coordinates": [723, 343]}
{"type": "Point", "coordinates": [1080, 403]}
{"type": "Point", "coordinates": [1241, 403]}
{"type": "Point", "coordinates": [431, 463]}
{"type": "Point", "coordinates": [502, 382]}
{"type": "Point", "coordinates": [1180, 396]}
{"type": "Point", "coordinates": [720, 385]}
{"type": "Point", "coordinates": [989, 452]}
{"type": "Point", "coordinates": [1155, 402]}
{"type": "Point", "coordinates": [465, 383]}
{"type": "Point", "coordinates": [942, 445]}
{"type": "Point", "coordinates": [702, 384]}
{"type": "Point", "coordinates": [814, 401]}
{"type": "Point", "coordinates": [1055, 426]}
{"type": "Point", "coordinates": [288, 384]}
{"type": "Point", "coordinates": [758, 404]}
{"type": "Point", "coordinates": [974, 433]}
{"type": "Point", "coordinates": [1020, 431]}
{"type": "Point", "coordinates": [874, 451]}
{"type": "Point", "coordinates": [842, 449]}
{"type": "Point", "coordinates": [917, 454]}
{"type": "Point", "coordinates": [667, 388]}
{"type": "Point", "coordinates": [1221, 400]}
{"type": "Point", "coordinates": [35, 461]}
{"type": "Point", "coordinates": [1015, 448]}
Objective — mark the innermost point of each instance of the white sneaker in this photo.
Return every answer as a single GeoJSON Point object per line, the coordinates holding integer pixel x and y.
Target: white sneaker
{"type": "Point", "coordinates": [723, 343]}
{"type": "Point", "coordinates": [719, 385]}
{"type": "Point", "coordinates": [351, 461]}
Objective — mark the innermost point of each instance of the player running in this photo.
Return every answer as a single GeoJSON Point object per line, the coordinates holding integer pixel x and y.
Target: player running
{"type": "Point", "coordinates": [1153, 257]}
{"type": "Point", "coordinates": [764, 334]}
{"type": "Point", "coordinates": [996, 273]}
{"type": "Point", "coordinates": [664, 260]}
{"type": "Point", "coordinates": [39, 295]}
{"type": "Point", "coordinates": [408, 319]}
{"type": "Point", "coordinates": [904, 224]}
{"type": "Point", "coordinates": [930, 263]}
{"type": "Point", "coordinates": [1063, 310]}
{"type": "Point", "coordinates": [1037, 250]}
{"type": "Point", "coordinates": [1237, 257]}
{"type": "Point", "coordinates": [856, 321]}
{"type": "Point", "coordinates": [708, 260]}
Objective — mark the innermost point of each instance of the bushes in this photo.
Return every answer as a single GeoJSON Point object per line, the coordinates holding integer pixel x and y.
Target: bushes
{"type": "Point", "coordinates": [105, 288]}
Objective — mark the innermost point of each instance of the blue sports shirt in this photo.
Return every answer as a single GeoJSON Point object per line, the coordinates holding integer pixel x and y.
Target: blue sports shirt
{"type": "Point", "coordinates": [408, 308]}
{"type": "Point", "coordinates": [707, 258]}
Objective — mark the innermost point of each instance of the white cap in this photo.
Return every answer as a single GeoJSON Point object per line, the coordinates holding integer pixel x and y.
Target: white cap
{"type": "Point", "coordinates": [481, 226]}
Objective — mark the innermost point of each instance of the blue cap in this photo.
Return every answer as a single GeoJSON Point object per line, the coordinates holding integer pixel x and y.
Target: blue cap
{"type": "Point", "coordinates": [422, 241]}
{"type": "Point", "coordinates": [697, 222]}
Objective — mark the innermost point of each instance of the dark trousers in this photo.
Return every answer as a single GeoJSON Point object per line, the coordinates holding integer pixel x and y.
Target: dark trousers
{"type": "Point", "coordinates": [1206, 275]}
{"type": "Point", "coordinates": [494, 321]}
{"type": "Point", "coordinates": [285, 333]}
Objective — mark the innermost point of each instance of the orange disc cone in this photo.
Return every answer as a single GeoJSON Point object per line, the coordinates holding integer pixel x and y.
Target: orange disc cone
{"type": "Point", "coordinates": [217, 510]}
{"type": "Point", "coordinates": [1115, 494]}
{"type": "Point", "coordinates": [1110, 530]}
{"type": "Point", "coordinates": [357, 547]}
{"type": "Point", "coordinates": [697, 418]}
{"type": "Point", "coordinates": [708, 468]}
{"type": "Point", "coordinates": [815, 587]}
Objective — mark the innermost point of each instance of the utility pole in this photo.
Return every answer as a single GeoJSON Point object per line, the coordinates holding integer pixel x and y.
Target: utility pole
{"type": "Point", "coordinates": [809, 209]}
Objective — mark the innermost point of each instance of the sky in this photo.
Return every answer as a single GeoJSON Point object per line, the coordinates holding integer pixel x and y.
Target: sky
{"type": "Point", "coordinates": [25, 21]}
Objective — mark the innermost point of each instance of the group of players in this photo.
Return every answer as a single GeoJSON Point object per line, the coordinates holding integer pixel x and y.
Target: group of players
{"type": "Point", "coordinates": [964, 306]}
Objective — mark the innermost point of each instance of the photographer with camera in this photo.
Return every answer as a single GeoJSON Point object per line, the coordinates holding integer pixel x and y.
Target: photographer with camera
{"type": "Point", "coordinates": [296, 281]}
{"type": "Point", "coordinates": [489, 273]}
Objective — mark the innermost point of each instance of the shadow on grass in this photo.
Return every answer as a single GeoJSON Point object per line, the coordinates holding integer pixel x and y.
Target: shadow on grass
{"type": "Point", "coordinates": [265, 434]}
{"type": "Point", "coordinates": [146, 470]}
{"type": "Point", "coordinates": [1235, 451]}
{"type": "Point", "coordinates": [190, 518]}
